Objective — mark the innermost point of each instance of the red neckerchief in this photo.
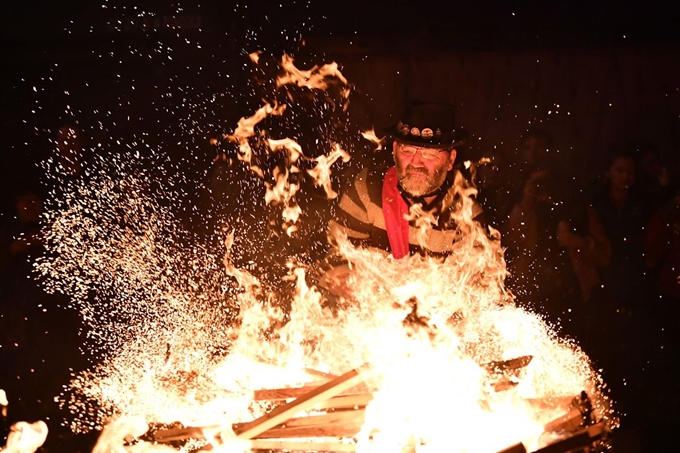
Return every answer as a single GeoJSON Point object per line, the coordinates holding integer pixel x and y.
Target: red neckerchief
{"type": "Point", "coordinates": [394, 209]}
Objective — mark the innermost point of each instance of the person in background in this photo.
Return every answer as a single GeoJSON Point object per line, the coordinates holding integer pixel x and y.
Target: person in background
{"type": "Point", "coordinates": [624, 212]}
{"type": "Point", "coordinates": [661, 403]}
{"type": "Point", "coordinates": [555, 244]}
{"type": "Point", "coordinates": [662, 246]}
{"type": "Point", "coordinates": [534, 146]}
{"type": "Point", "coordinates": [655, 181]}
{"type": "Point", "coordinates": [619, 337]}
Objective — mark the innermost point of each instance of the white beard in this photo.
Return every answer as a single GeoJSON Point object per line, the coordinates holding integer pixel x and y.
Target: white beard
{"type": "Point", "coordinates": [421, 183]}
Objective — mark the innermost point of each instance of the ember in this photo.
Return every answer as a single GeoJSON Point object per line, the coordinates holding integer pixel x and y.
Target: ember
{"type": "Point", "coordinates": [424, 354]}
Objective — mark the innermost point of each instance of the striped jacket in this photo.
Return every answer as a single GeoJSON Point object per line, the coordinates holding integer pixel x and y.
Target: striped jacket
{"type": "Point", "coordinates": [360, 216]}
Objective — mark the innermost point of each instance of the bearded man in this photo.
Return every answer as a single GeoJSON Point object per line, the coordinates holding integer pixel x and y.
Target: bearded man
{"type": "Point", "coordinates": [382, 205]}
{"type": "Point", "coordinates": [373, 210]}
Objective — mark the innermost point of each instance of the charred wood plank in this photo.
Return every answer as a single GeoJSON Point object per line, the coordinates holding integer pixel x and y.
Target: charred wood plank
{"type": "Point", "coordinates": [305, 402]}
{"type": "Point", "coordinates": [303, 446]}
{"type": "Point", "coordinates": [576, 441]}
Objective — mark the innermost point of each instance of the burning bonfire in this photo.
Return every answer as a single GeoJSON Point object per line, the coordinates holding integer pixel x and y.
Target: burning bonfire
{"type": "Point", "coordinates": [440, 355]}
{"type": "Point", "coordinates": [423, 355]}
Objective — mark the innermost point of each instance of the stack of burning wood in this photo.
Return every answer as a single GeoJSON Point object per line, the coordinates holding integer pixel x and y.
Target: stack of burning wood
{"type": "Point", "coordinates": [334, 408]}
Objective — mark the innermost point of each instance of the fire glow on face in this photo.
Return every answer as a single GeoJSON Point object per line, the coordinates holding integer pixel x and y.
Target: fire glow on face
{"type": "Point", "coordinates": [183, 340]}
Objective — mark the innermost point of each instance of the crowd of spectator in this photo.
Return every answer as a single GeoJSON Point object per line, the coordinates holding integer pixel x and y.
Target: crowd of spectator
{"type": "Point", "coordinates": [598, 256]}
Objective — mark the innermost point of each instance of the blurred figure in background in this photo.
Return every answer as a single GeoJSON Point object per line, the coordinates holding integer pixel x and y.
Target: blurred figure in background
{"type": "Point", "coordinates": [654, 179]}
{"type": "Point", "coordinates": [535, 146]}
{"type": "Point", "coordinates": [555, 244]}
{"type": "Point", "coordinates": [662, 244]}
{"type": "Point", "coordinates": [624, 212]}
{"type": "Point", "coordinates": [619, 336]}
{"type": "Point", "coordinates": [661, 367]}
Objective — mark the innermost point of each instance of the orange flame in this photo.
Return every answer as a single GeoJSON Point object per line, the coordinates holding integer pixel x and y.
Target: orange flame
{"type": "Point", "coordinates": [282, 192]}
{"type": "Point", "coordinates": [322, 171]}
{"type": "Point", "coordinates": [291, 146]}
{"type": "Point", "coordinates": [315, 78]}
{"type": "Point", "coordinates": [246, 129]}
{"type": "Point", "coordinates": [371, 137]}
{"type": "Point", "coordinates": [255, 56]}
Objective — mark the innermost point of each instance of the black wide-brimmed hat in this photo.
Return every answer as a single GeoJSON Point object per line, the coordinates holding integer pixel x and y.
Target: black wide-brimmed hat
{"type": "Point", "coordinates": [428, 124]}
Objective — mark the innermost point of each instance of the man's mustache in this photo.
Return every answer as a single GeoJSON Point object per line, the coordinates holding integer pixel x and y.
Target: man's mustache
{"type": "Point", "coordinates": [421, 170]}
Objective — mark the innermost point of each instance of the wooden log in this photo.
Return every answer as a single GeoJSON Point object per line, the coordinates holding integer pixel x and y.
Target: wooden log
{"type": "Point", "coordinates": [339, 430]}
{"type": "Point", "coordinates": [303, 446]}
{"type": "Point", "coordinates": [345, 402]}
{"type": "Point", "coordinates": [173, 434]}
{"type": "Point", "coordinates": [320, 374]}
{"type": "Point", "coordinates": [282, 393]}
{"type": "Point", "coordinates": [316, 420]}
{"type": "Point", "coordinates": [511, 365]}
{"type": "Point", "coordinates": [500, 367]}
{"type": "Point", "coordinates": [570, 421]}
{"type": "Point", "coordinates": [305, 402]}
{"type": "Point", "coordinates": [505, 384]}
{"type": "Point", "coordinates": [285, 393]}
{"type": "Point", "coordinates": [554, 402]}
{"type": "Point", "coordinates": [517, 448]}
{"type": "Point", "coordinates": [331, 418]}
{"type": "Point", "coordinates": [318, 377]}
{"type": "Point", "coordinates": [356, 402]}
{"type": "Point", "coordinates": [577, 440]}
{"type": "Point", "coordinates": [333, 424]}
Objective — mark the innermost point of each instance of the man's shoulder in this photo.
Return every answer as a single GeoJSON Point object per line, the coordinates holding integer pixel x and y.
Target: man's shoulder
{"type": "Point", "coordinates": [366, 185]}
{"type": "Point", "coordinates": [369, 177]}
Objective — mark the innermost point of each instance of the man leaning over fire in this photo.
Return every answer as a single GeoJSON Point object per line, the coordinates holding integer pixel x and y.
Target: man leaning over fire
{"type": "Point", "coordinates": [373, 208]}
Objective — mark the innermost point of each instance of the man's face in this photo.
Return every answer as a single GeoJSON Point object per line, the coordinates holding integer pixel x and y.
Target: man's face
{"type": "Point", "coordinates": [533, 149]}
{"type": "Point", "coordinates": [422, 170]}
{"type": "Point", "coordinates": [621, 174]}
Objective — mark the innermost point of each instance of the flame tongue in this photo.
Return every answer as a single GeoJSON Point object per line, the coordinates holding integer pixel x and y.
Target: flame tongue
{"type": "Point", "coordinates": [322, 172]}
{"type": "Point", "coordinates": [282, 190]}
{"type": "Point", "coordinates": [315, 78]}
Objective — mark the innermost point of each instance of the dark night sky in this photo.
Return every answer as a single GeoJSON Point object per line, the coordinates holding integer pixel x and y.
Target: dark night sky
{"type": "Point", "coordinates": [36, 28]}
{"type": "Point", "coordinates": [49, 47]}
{"type": "Point", "coordinates": [522, 22]}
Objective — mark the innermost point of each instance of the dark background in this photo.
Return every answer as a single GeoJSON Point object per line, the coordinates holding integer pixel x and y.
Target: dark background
{"type": "Point", "coordinates": [174, 75]}
{"type": "Point", "coordinates": [121, 69]}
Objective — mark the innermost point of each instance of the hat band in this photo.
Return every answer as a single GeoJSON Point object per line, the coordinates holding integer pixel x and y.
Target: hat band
{"type": "Point", "coordinates": [413, 131]}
